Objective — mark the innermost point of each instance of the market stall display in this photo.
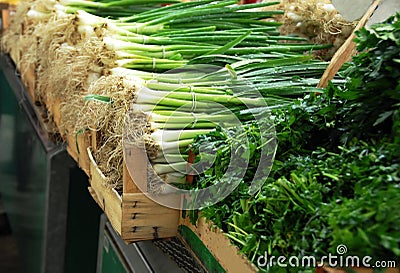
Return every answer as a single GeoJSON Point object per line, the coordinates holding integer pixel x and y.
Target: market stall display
{"type": "Point", "coordinates": [200, 79]}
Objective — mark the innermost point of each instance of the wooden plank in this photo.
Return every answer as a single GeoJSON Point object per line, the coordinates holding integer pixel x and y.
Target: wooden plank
{"type": "Point", "coordinates": [128, 185]}
{"type": "Point", "coordinates": [28, 77]}
{"type": "Point", "coordinates": [344, 53]}
{"type": "Point", "coordinates": [220, 246]}
{"type": "Point", "coordinates": [144, 219]}
{"type": "Point", "coordinates": [71, 147]}
{"type": "Point", "coordinates": [15, 56]}
{"type": "Point", "coordinates": [46, 123]}
{"type": "Point", "coordinates": [5, 16]}
{"type": "Point", "coordinates": [77, 149]}
{"type": "Point", "coordinates": [83, 157]}
{"type": "Point", "coordinates": [108, 199]}
{"type": "Point", "coordinates": [135, 158]}
{"type": "Point", "coordinates": [94, 137]}
{"type": "Point", "coordinates": [96, 199]}
{"type": "Point", "coordinates": [54, 106]}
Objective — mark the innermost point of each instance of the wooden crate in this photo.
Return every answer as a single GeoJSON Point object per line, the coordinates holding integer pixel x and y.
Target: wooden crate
{"type": "Point", "coordinates": [132, 213]}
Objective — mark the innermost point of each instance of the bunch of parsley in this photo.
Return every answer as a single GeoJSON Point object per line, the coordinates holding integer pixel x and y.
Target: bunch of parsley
{"type": "Point", "coordinates": [336, 175]}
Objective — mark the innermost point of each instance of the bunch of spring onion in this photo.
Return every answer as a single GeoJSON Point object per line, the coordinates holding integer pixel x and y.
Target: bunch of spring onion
{"type": "Point", "coordinates": [169, 37]}
{"type": "Point", "coordinates": [113, 8]}
{"type": "Point", "coordinates": [190, 101]}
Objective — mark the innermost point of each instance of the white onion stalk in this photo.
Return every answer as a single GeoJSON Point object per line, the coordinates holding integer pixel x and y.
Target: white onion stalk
{"type": "Point", "coordinates": [173, 135]}
{"type": "Point", "coordinates": [194, 125]}
{"type": "Point", "coordinates": [164, 158]}
{"type": "Point", "coordinates": [179, 167]}
{"type": "Point", "coordinates": [173, 178]}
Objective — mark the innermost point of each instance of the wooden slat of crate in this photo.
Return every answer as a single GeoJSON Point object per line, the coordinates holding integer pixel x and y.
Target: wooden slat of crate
{"type": "Point", "coordinates": [28, 77]}
{"type": "Point", "coordinates": [54, 106]}
{"type": "Point", "coordinates": [78, 143]}
{"type": "Point", "coordinates": [5, 15]}
{"type": "Point", "coordinates": [15, 56]}
{"type": "Point", "coordinates": [134, 216]}
{"type": "Point", "coordinates": [77, 149]}
{"type": "Point", "coordinates": [144, 219]}
{"type": "Point", "coordinates": [137, 181]}
{"type": "Point", "coordinates": [141, 215]}
{"type": "Point", "coordinates": [344, 53]}
{"type": "Point", "coordinates": [220, 246]}
{"type": "Point", "coordinates": [108, 199]}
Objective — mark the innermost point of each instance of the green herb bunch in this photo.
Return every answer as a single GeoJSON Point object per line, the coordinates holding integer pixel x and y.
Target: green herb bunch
{"type": "Point", "coordinates": [336, 175]}
{"type": "Point", "coordinates": [373, 89]}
